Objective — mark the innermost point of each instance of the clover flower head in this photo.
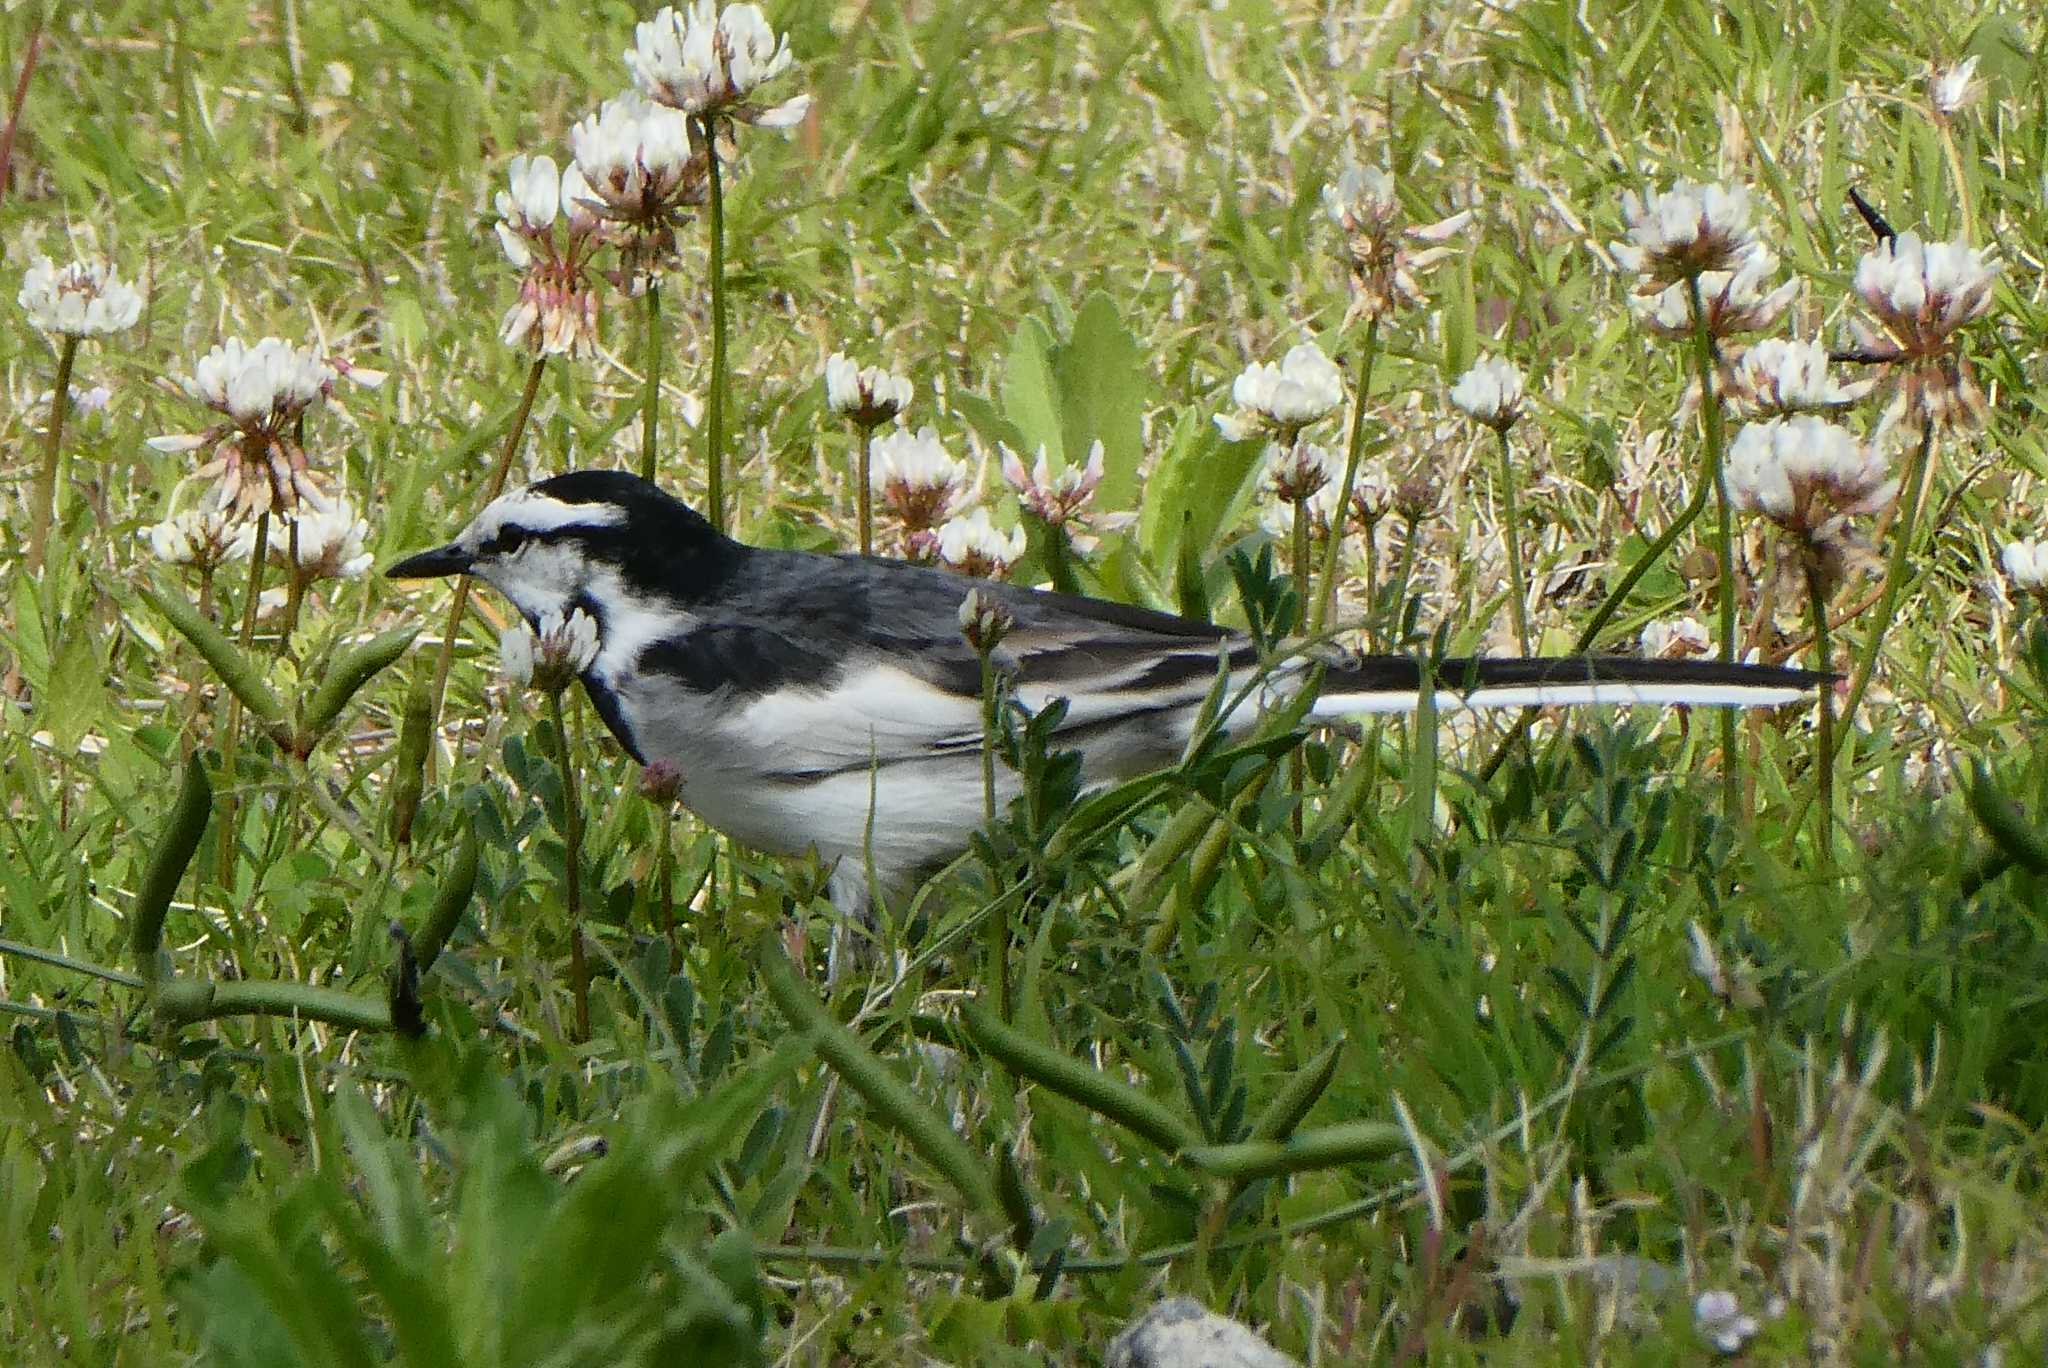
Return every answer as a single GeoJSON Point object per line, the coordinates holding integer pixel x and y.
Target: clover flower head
{"type": "Point", "coordinates": [916, 478]}
{"type": "Point", "coordinates": [551, 653]}
{"type": "Point", "coordinates": [1778, 376]}
{"type": "Point", "coordinates": [984, 621]}
{"type": "Point", "coordinates": [1054, 499]}
{"type": "Point", "coordinates": [1737, 301]}
{"type": "Point", "coordinates": [973, 545]}
{"type": "Point", "coordinates": [867, 396]}
{"type": "Point", "coordinates": [635, 156]}
{"type": "Point", "coordinates": [1384, 255]}
{"type": "Point", "coordinates": [1953, 89]}
{"type": "Point", "coordinates": [1685, 231]}
{"type": "Point", "coordinates": [1678, 638]}
{"type": "Point", "coordinates": [1304, 388]}
{"type": "Point", "coordinates": [204, 537]}
{"type": "Point", "coordinates": [1490, 393]}
{"type": "Point", "coordinates": [1806, 474]}
{"type": "Point", "coordinates": [2026, 562]}
{"type": "Point", "coordinates": [1720, 1319]}
{"type": "Point", "coordinates": [556, 312]}
{"type": "Point", "coordinates": [1297, 473]}
{"type": "Point", "coordinates": [83, 299]}
{"type": "Point", "coordinates": [1921, 293]}
{"type": "Point", "coordinates": [261, 390]}
{"type": "Point", "coordinates": [331, 543]}
{"type": "Point", "coordinates": [707, 63]}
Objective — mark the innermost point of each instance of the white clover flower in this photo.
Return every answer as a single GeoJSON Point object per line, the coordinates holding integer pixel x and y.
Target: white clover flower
{"type": "Point", "coordinates": [84, 299]}
{"type": "Point", "coordinates": [1921, 293]}
{"type": "Point", "coordinates": [1677, 638]}
{"type": "Point", "coordinates": [262, 390]}
{"type": "Point", "coordinates": [1954, 89]}
{"type": "Point", "coordinates": [1685, 231]}
{"type": "Point", "coordinates": [1304, 388]}
{"type": "Point", "coordinates": [1054, 499]}
{"type": "Point", "coordinates": [1721, 1321]}
{"type": "Point", "coordinates": [550, 655]}
{"type": "Point", "coordinates": [636, 158]}
{"type": "Point", "coordinates": [1806, 474]}
{"type": "Point", "coordinates": [707, 63]}
{"type": "Point", "coordinates": [331, 542]}
{"type": "Point", "coordinates": [1735, 301]}
{"type": "Point", "coordinates": [2027, 563]}
{"type": "Point", "coordinates": [973, 545]}
{"type": "Point", "coordinates": [867, 395]}
{"type": "Point", "coordinates": [1776, 377]}
{"type": "Point", "coordinates": [556, 312]}
{"type": "Point", "coordinates": [1490, 393]}
{"type": "Point", "coordinates": [1378, 248]}
{"type": "Point", "coordinates": [915, 477]}
{"type": "Point", "coordinates": [204, 538]}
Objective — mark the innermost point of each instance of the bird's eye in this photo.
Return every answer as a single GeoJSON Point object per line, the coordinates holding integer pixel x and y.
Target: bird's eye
{"type": "Point", "coordinates": [509, 540]}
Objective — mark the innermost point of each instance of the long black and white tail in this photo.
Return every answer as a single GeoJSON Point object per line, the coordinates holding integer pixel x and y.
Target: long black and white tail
{"type": "Point", "coordinates": [1381, 684]}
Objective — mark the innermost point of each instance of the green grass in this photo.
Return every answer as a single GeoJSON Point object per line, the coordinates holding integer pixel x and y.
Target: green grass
{"type": "Point", "coordinates": [1557, 1131]}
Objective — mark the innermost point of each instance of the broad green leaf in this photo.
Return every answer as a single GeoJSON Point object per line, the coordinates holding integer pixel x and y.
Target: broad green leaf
{"type": "Point", "coordinates": [1030, 391]}
{"type": "Point", "coordinates": [1101, 389]}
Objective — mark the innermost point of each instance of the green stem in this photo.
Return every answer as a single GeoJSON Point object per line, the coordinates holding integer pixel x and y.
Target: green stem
{"type": "Point", "coordinates": [714, 408]}
{"type": "Point", "coordinates": [650, 394]}
{"type": "Point", "coordinates": [230, 742]}
{"type": "Point", "coordinates": [1402, 574]}
{"type": "Point", "coordinates": [43, 499]}
{"type": "Point", "coordinates": [295, 596]}
{"type": "Point", "coordinates": [1354, 450]}
{"type": "Point", "coordinates": [494, 485]}
{"type": "Point", "coordinates": [1518, 587]}
{"type": "Point", "coordinates": [572, 843]}
{"type": "Point", "coordinates": [1894, 572]}
{"type": "Point", "coordinates": [998, 930]}
{"type": "Point", "coordinates": [1724, 537]}
{"type": "Point", "coordinates": [867, 494]}
{"type": "Point", "coordinates": [1824, 777]}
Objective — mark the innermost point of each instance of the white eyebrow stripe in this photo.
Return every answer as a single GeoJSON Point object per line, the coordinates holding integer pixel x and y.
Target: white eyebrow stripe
{"type": "Point", "coordinates": [539, 513]}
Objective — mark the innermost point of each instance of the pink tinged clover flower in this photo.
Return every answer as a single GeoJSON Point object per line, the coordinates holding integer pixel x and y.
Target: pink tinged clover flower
{"type": "Point", "coordinates": [918, 483]}
{"type": "Point", "coordinates": [1734, 301]}
{"type": "Point", "coordinates": [635, 157]}
{"type": "Point", "coordinates": [1305, 388]}
{"type": "Point", "coordinates": [549, 226]}
{"type": "Point", "coordinates": [1777, 377]}
{"type": "Point", "coordinates": [1807, 475]}
{"type": "Point", "coordinates": [1385, 255]}
{"type": "Point", "coordinates": [1490, 393]}
{"type": "Point", "coordinates": [866, 396]}
{"type": "Point", "coordinates": [550, 655]}
{"type": "Point", "coordinates": [1054, 499]}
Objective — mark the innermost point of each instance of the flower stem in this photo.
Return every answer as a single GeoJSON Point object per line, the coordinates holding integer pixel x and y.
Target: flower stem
{"type": "Point", "coordinates": [43, 500]}
{"type": "Point", "coordinates": [1724, 536]}
{"type": "Point", "coordinates": [1404, 571]}
{"type": "Point", "coordinates": [1824, 774]}
{"type": "Point", "coordinates": [494, 485]}
{"type": "Point", "coordinates": [867, 494]}
{"type": "Point", "coordinates": [295, 596]}
{"type": "Point", "coordinates": [572, 883]}
{"type": "Point", "coordinates": [998, 930]}
{"type": "Point", "coordinates": [650, 394]}
{"type": "Point", "coordinates": [714, 408]}
{"type": "Point", "coordinates": [1518, 587]}
{"type": "Point", "coordinates": [1911, 497]}
{"type": "Point", "coordinates": [231, 739]}
{"type": "Point", "coordinates": [1326, 595]}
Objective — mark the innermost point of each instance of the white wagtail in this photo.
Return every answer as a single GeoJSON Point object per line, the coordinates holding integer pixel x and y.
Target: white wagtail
{"type": "Point", "coordinates": [830, 703]}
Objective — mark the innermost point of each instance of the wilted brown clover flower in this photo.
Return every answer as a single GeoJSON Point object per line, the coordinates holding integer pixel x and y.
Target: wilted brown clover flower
{"type": "Point", "coordinates": [1383, 253]}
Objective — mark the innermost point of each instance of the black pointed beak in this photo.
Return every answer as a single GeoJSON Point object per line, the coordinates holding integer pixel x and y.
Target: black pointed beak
{"type": "Point", "coordinates": [435, 564]}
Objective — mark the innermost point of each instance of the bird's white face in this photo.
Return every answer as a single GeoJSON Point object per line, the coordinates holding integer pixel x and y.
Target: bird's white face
{"type": "Point", "coordinates": [517, 547]}
{"type": "Point", "coordinates": [523, 545]}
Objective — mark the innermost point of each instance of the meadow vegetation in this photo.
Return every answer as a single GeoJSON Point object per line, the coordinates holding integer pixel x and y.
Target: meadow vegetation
{"type": "Point", "coordinates": [367, 1004]}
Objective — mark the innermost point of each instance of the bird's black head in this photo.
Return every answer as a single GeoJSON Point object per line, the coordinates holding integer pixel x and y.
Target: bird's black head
{"type": "Point", "coordinates": [591, 538]}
